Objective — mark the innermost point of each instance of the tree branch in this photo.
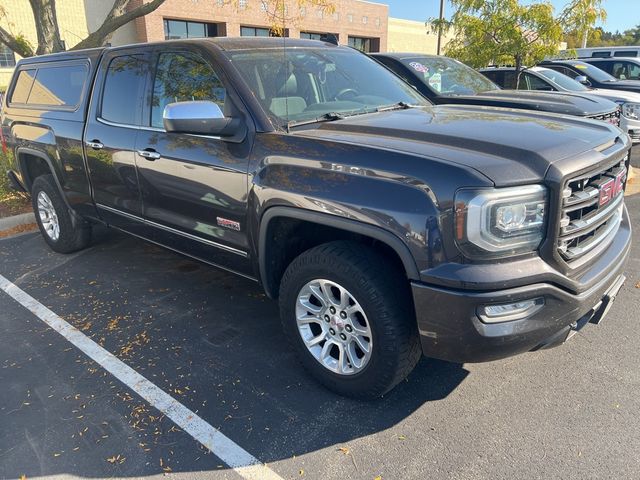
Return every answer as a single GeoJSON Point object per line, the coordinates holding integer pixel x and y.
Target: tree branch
{"type": "Point", "coordinates": [117, 17]}
{"type": "Point", "coordinates": [16, 44]}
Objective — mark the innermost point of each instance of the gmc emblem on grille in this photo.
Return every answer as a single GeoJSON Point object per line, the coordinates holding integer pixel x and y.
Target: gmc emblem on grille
{"type": "Point", "coordinates": [612, 188]}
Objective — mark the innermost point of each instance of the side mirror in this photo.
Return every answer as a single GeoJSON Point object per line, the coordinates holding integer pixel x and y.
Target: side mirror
{"type": "Point", "coordinates": [202, 118]}
{"type": "Point", "coordinates": [583, 80]}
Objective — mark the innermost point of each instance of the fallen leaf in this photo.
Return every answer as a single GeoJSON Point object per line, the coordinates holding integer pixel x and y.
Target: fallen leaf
{"type": "Point", "coordinates": [401, 437]}
{"type": "Point", "coordinates": [379, 477]}
{"type": "Point", "coordinates": [638, 285]}
{"type": "Point", "coordinates": [301, 472]}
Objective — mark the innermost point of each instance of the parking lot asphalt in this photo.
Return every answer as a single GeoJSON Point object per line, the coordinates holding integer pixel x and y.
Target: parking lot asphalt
{"type": "Point", "coordinates": [213, 342]}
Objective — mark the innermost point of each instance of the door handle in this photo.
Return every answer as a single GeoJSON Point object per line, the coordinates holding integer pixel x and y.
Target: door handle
{"type": "Point", "coordinates": [95, 144]}
{"type": "Point", "coordinates": [149, 154]}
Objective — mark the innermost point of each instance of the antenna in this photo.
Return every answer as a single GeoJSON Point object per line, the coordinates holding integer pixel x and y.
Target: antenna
{"type": "Point", "coordinates": [286, 63]}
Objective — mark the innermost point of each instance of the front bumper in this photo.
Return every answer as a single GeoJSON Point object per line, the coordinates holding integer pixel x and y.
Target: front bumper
{"type": "Point", "coordinates": [450, 328]}
{"type": "Point", "coordinates": [632, 127]}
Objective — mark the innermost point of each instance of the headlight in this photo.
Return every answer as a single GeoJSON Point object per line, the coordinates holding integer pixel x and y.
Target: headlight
{"type": "Point", "coordinates": [631, 110]}
{"type": "Point", "coordinates": [500, 222]}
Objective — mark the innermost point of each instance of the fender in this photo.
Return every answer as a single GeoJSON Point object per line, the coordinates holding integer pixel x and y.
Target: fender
{"type": "Point", "coordinates": [29, 181]}
{"type": "Point", "coordinates": [346, 224]}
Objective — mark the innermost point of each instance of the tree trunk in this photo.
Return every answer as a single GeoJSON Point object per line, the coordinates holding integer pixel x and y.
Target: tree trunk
{"type": "Point", "coordinates": [44, 14]}
{"type": "Point", "coordinates": [518, 70]}
{"type": "Point", "coordinates": [16, 44]}
{"type": "Point", "coordinates": [117, 17]}
{"type": "Point", "coordinates": [585, 38]}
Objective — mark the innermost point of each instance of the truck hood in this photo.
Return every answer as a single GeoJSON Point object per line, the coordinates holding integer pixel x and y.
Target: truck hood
{"type": "Point", "coordinates": [554, 102]}
{"type": "Point", "coordinates": [509, 147]}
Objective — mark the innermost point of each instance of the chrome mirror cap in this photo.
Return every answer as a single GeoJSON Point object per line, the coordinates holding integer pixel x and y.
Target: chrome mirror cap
{"type": "Point", "coordinates": [193, 110]}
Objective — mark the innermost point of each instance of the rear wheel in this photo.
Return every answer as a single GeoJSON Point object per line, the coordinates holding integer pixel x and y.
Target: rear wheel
{"type": "Point", "coordinates": [62, 232]}
{"type": "Point", "coordinates": [349, 314]}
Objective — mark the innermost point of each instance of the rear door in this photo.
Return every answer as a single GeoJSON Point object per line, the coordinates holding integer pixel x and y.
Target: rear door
{"type": "Point", "coordinates": [115, 118]}
{"type": "Point", "coordinates": [194, 187]}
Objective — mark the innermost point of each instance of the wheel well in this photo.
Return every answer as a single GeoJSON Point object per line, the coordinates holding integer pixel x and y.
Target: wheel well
{"type": "Point", "coordinates": [287, 238]}
{"type": "Point", "coordinates": [32, 167]}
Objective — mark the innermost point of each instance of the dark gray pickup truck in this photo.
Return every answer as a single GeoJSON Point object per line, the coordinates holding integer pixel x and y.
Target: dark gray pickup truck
{"type": "Point", "coordinates": [386, 227]}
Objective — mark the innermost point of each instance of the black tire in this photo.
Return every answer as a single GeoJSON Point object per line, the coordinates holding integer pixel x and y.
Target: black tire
{"type": "Point", "coordinates": [75, 233]}
{"type": "Point", "coordinates": [384, 294]}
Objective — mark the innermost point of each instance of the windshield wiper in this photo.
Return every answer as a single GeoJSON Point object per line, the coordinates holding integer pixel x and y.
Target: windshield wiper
{"type": "Point", "coordinates": [327, 117]}
{"type": "Point", "coordinates": [395, 106]}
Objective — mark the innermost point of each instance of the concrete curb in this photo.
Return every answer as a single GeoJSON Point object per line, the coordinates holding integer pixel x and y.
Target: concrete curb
{"type": "Point", "coordinates": [17, 220]}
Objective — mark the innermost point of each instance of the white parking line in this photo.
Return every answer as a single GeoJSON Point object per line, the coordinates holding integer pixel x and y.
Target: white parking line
{"type": "Point", "coordinates": [245, 464]}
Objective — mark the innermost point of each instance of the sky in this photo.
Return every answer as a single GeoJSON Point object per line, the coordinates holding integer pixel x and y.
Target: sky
{"type": "Point", "coordinates": [621, 14]}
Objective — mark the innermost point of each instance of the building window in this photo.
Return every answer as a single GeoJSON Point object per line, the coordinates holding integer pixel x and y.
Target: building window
{"type": "Point", "coordinates": [7, 57]}
{"type": "Point", "coordinates": [336, 16]}
{"type": "Point", "coordinates": [303, 11]}
{"type": "Point", "coordinates": [365, 44]}
{"type": "Point", "coordinates": [350, 18]}
{"type": "Point", "coordinates": [378, 22]}
{"type": "Point", "coordinates": [242, 4]}
{"type": "Point", "coordinates": [365, 20]}
{"type": "Point", "coordinates": [316, 35]}
{"type": "Point", "coordinates": [175, 29]}
{"type": "Point", "coordinates": [261, 32]}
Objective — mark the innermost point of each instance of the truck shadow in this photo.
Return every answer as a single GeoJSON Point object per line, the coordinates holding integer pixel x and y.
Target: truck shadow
{"type": "Point", "coordinates": [214, 345]}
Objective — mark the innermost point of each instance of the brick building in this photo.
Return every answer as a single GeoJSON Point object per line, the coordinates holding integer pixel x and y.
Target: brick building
{"type": "Point", "coordinates": [355, 22]}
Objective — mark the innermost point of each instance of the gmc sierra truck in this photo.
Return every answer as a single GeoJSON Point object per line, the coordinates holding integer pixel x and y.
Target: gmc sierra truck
{"type": "Point", "coordinates": [386, 227]}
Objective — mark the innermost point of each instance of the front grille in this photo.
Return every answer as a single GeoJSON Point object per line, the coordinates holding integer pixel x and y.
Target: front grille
{"type": "Point", "coordinates": [635, 135]}
{"type": "Point", "coordinates": [611, 117]}
{"type": "Point", "coordinates": [592, 207]}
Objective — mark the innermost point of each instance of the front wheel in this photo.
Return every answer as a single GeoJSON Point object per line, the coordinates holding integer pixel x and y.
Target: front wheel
{"type": "Point", "coordinates": [349, 314]}
{"type": "Point", "coordinates": [62, 232]}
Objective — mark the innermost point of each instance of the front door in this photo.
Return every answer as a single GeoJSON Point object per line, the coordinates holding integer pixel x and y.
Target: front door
{"type": "Point", "coordinates": [110, 137]}
{"type": "Point", "coordinates": [194, 188]}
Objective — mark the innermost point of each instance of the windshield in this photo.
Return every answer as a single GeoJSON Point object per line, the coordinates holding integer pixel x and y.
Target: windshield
{"type": "Point", "coordinates": [561, 79]}
{"type": "Point", "coordinates": [593, 72]}
{"type": "Point", "coordinates": [302, 84]}
{"type": "Point", "coordinates": [446, 76]}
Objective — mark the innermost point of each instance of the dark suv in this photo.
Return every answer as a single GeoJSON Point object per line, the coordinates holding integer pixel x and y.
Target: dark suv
{"type": "Point", "coordinates": [445, 81]}
{"type": "Point", "coordinates": [386, 227]}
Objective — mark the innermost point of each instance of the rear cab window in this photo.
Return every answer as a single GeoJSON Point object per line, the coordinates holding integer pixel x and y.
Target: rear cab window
{"type": "Point", "coordinates": [50, 86]}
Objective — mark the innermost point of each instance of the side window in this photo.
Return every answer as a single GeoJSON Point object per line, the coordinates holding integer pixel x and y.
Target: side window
{"type": "Point", "coordinates": [123, 89]}
{"type": "Point", "coordinates": [495, 77]}
{"type": "Point", "coordinates": [182, 77]}
{"type": "Point", "coordinates": [536, 83]}
{"type": "Point", "coordinates": [51, 86]}
{"type": "Point", "coordinates": [567, 71]}
{"type": "Point", "coordinates": [626, 70]}
{"type": "Point", "coordinates": [509, 81]}
{"type": "Point", "coordinates": [23, 86]}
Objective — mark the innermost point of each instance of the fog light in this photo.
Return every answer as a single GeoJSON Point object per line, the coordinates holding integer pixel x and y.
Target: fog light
{"type": "Point", "coordinates": [508, 312]}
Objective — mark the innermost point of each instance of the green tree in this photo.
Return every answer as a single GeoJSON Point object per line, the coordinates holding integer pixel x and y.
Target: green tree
{"type": "Point", "coordinates": [500, 31]}
{"type": "Point", "coordinates": [580, 16]}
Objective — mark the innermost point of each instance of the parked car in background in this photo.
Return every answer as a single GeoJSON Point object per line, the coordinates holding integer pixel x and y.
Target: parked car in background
{"type": "Point", "coordinates": [387, 227]}
{"type": "Point", "coordinates": [545, 79]}
{"type": "Point", "coordinates": [590, 75]}
{"type": "Point", "coordinates": [621, 68]}
{"type": "Point", "coordinates": [444, 80]}
{"type": "Point", "coordinates": [605, 52]}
